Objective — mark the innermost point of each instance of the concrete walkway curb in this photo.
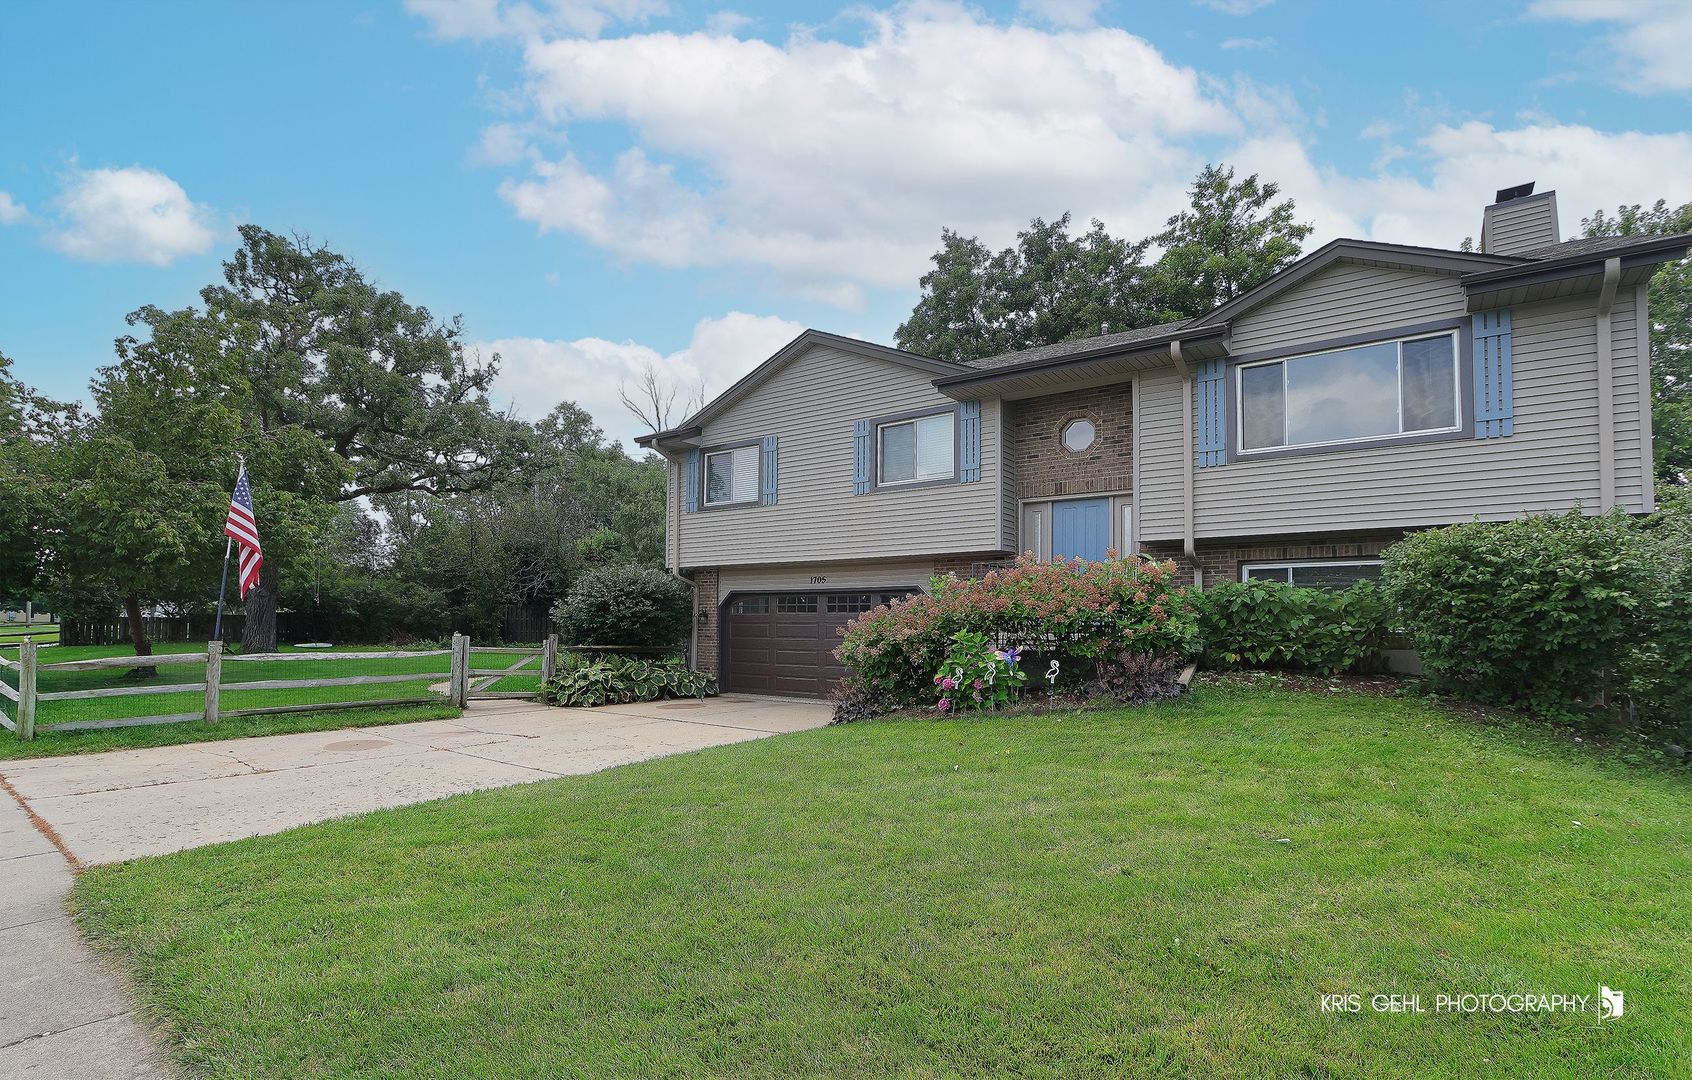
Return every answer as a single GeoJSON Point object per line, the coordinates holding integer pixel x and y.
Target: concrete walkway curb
{"type": "Point", "coordinates": [64, 1015]}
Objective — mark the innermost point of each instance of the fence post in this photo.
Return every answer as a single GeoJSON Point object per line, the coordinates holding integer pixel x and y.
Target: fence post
{"type": "Point", "coordinates": [458, 687]}
{"type": "Point", "coordinates": [549, 658]}
{"type": "Point", "coordinates": [214, 678]}
{"type": "Point", "coordinates": [26, 690]}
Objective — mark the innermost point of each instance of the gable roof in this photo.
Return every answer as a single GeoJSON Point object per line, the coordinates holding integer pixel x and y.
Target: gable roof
{"type": "Point", "coordinates": [1367, 252]}
{"type": "Point", "coordinates": [691, 427]}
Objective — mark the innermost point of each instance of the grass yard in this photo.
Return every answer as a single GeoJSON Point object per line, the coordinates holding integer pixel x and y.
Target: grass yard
{"type": "Point", "coordinates": [431, 670]}
{"type": "Point", "coordinates": [1157, 892]}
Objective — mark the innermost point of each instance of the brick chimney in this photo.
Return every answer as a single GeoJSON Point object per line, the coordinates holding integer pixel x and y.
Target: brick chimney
{"type": "Point", "coordinates": [1519, 221]}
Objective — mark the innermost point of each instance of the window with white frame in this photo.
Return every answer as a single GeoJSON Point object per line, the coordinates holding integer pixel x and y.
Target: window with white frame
{"type": "Point", "coordinates": [731, 476]}
{"type": "Point", "coordinates": [1387, 389]}
{"type": "Point", "coordinates": [1330, 574]}
{"type": "Point", "coordinates": [912, 451]}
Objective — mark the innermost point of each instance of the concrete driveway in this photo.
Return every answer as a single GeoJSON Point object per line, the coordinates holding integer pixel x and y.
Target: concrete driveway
{"type": "Point", "coordinates": [129, 803]}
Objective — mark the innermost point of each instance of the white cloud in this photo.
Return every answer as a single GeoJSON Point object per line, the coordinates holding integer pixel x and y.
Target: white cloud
{"type": "Point", "coordinates": [727, 22]}
{"type": "Point", "coordinates": [831, 164]}
{"type": "Point", "coordinates": [1248, 43]}
{"type": "Point", "coordinates": [11, 211]}
{"type": "Point", "coordinates": [1652, 38]}
{"type": "Point", "coordinates": [1071, 14]}
{"type": "Point", "coordinates": [1465, 165]}
{"type": "Point", "coordinates": [483, 19]}
{"type": "Point", "coordinates": [1234, 7]}
{"type": "Point", "coordinates": [501, 144]}
{"type": "Point", "coordinates": [537, 373]}
{"type": "Point", "coordinates": [834, 164]}
{"type": "Point", "coordinates": [130, 215]}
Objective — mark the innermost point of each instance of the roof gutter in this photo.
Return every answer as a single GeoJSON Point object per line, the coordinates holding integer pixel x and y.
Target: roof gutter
{"type": "Point", "coordinates": [982, 376]}
{"type": "Point", "coordinates": [1649, 249]}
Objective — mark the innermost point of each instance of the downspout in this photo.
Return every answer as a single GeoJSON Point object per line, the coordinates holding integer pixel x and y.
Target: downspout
{"type": "Point", "coordinates": [1187, 451]}
{"type": "Point", "coordinates": [1607, 388]}
{"type": "Point", "coordinates": [672, 528]}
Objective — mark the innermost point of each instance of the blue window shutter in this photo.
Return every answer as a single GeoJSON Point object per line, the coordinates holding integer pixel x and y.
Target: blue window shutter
{"type": "Point", "coordinates": [861, 458]}
{"type": "Point", "coordinates": [1495, 395]}
{"type": "Point", "coordinates": [1212, 442]}
{"type": "Point", "coordinates": [690, 483]}
{"type": "Point", "coordinates": [767, 493]}
{"type": "Point", "coordinates": [969, 442]}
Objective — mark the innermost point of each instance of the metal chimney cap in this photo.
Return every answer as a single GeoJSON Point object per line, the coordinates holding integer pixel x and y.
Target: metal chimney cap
{"type": "Point", "coordinates": [1520, 191]}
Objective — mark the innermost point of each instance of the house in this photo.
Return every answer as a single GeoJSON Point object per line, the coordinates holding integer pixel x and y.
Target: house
{"type": "Point", "coordinates": [1293, 433]}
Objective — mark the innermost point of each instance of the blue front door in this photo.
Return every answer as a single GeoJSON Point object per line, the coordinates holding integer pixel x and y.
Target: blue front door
{"type": "Point", "coordinates": [1081, 527]}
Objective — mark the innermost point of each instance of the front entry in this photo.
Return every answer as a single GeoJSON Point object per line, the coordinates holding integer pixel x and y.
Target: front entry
{"type": "Point", "coordinates": [1081, 529]}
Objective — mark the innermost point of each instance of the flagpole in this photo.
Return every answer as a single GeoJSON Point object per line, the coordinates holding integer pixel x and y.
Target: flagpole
{"type": "Point", "coordinates": [228, 543]}
{"type": "Point", "coordinates": [217, 624]}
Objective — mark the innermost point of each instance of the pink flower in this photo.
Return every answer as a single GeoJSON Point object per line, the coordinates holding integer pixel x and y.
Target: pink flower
{"type": "Point", "coordinates": [948, 684]}
{"type": "Point", "coordinates": [945, 704]}
{"type": "Point", "coordinates": [978, 686]}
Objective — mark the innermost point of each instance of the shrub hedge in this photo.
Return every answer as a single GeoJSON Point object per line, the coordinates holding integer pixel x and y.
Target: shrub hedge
{"type": "Point", "coordinates": [624, 605]}
{"type": "Point", "coordinates": [1257, 624]}
{"type": "Point", "coordinates": [1072, 613]}
{"type": "Point", "coordinates": [1571, 617]}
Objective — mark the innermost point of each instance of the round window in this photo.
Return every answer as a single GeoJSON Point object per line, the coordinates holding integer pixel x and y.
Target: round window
{"type": "Point", "coordinates": [1078, 435]}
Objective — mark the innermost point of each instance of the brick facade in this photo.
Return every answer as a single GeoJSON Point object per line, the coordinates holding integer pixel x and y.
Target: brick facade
{"type": "Point", "coordinates": [1045, 469]}
{"type": "Point", "coordinates": [1220, 560]}
{"type": "Point", "coordinates": [706, 651]}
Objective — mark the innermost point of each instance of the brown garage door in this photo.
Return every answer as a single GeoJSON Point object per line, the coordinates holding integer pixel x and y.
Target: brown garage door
{"type": "Point", "coordinates": [783, 643]}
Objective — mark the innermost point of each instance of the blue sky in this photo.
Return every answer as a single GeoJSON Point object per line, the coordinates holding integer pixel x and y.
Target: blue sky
{"type": "Point", "coordinates": [598, 185]}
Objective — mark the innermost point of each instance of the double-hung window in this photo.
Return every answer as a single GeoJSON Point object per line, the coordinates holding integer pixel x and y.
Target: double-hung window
{"type": "Point", "coordinates": [731, 476]}
{"type": "Point", "coordinates": [917, 450]}
{"type": "Point", "coordinates": [1388, 389]}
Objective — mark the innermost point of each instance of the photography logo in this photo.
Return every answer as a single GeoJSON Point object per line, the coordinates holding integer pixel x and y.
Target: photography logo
{"type": "Point", "coordinates": [1609, 1004]}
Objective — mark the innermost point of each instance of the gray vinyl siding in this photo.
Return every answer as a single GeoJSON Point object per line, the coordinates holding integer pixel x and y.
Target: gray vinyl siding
{"type": "Point", "coordinates": [1158, 502]}
{"type": "Point", "coordinates": [1523, 225]}
{"type": "Point", "coordinates": [1632, 472]}
{"type": "Point", "coordinates": [810, 405]}
{"type": "Point", "coordinates": [1347, 299]}
{"type": "Point", "coordinates": [842, 576]}
{"type": "Point", "coordinates": [1009, 528]}
{"type": "Point", "coordinates": [1549, 464]}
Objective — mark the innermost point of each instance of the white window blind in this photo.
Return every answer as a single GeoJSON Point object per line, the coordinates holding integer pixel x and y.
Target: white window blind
{"type": "Point", "coordinates": [731, 476]}
{"type": "Point", "coordinates": [914, 450]}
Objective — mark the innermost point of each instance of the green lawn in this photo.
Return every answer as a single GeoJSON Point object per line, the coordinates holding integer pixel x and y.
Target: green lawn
{"type": "Point", "coordinates": [1158, 892]}
{"type": "Point", "coordinates": [432, 670]}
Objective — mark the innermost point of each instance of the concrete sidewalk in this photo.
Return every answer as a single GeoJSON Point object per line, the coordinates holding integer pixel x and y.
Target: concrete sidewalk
{"type": "Point", "coordinates": [130, 803]}
{"type": "Point", "coordinates": [64, 1015]}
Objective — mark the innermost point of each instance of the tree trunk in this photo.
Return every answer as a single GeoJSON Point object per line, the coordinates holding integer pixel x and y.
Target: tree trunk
{"type": "Point", "coordinates": [259, 633]}
{"type": "Point", "coordinates": [138, 635]}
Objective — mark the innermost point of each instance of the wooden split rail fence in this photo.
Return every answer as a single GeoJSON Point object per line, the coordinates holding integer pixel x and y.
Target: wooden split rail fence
{"type": "Point", "coordinates": [464, 682]}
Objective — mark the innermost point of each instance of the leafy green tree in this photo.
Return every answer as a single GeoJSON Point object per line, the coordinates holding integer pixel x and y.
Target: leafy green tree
{"type": "Point", "coordinates": [1052, 286]}
{"type": "Point", "coordinates": [1049, 286]}
{"type": "Point", "coordinates": [1670, 303]}
{"type": "Point", "coordinates": [28, 423]}
{"type": "Point", "coordinates": [308, 350]}
{"type": "Point", "coordinates": [1230, 239]}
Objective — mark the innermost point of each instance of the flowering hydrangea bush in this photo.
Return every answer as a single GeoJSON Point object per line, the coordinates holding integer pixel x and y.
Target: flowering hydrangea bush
{"type": "Point", "coordinates": [1075, 612]}
{"type": "Point", "coordinates": [978, 676]}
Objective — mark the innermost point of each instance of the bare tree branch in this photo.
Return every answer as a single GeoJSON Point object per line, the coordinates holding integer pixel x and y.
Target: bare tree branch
{"type": "Point", "coordinates": [652, 398]}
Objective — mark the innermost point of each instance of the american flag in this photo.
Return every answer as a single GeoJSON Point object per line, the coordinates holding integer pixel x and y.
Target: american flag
{"type": "Point", "coordinates": [242, 527]}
